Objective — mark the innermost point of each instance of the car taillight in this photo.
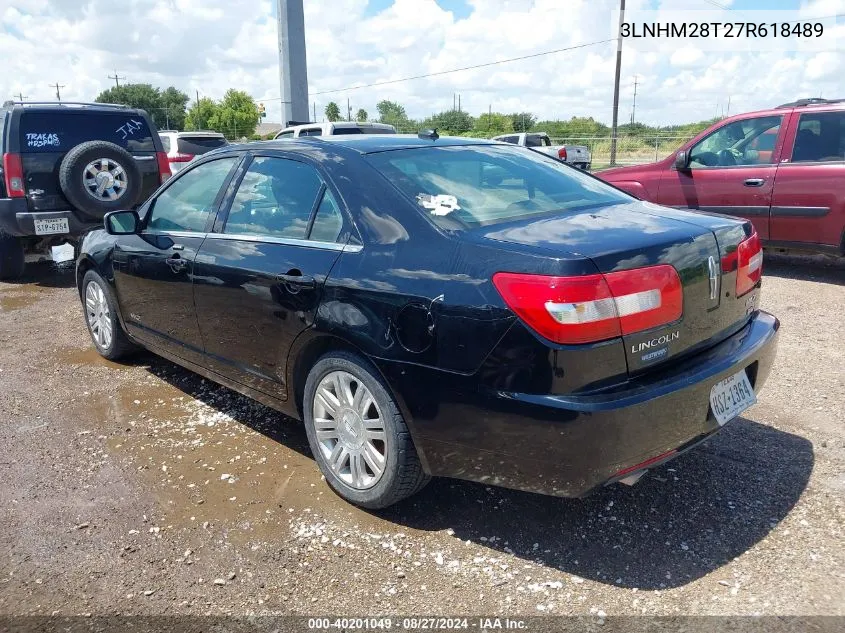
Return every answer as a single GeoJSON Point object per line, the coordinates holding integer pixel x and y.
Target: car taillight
{"type": "Point", "coordinates": [163, 166]}
{"type": "Point", "coordinates": [590, 308]}
{"type": "Point", "coordinates": [181, 158]}
{"type": "Point", "coordinates": [13, 174]}
{"type": "Point", "coordinates": [561, 153]}
{"type": "Point", "coordinates": [749, 269]}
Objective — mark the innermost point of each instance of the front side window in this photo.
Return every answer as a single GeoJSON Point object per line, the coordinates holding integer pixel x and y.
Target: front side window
{"type": "Point", "coordinates": [275, 199]}
{"type": "Point", "coordinates": [287, 134]}
{"type": "Point", "coordinates": [736, 144]}
{"type": "Point", "coordinates": [467, 186]}
{"type": "Point", "coordinates": [188, 202]}
{"type": "Point", "coordinates": [820, 138]}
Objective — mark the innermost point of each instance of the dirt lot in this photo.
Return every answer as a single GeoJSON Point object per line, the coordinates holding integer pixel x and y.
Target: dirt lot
{"type": "Point", "coordinates": [144, 489]}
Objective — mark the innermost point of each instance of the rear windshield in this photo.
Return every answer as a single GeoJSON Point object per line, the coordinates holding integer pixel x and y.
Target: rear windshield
{"type": "Point", "coordinates": [361, 130]}
{"type": "Point", "coordinates": [537, 140]}
{"type": "Point", "coordinates": [197, 145]}
{"type": "Point", "coordinates": [472, 186]}
{"type": "Point", "coordinates": [60, 131]}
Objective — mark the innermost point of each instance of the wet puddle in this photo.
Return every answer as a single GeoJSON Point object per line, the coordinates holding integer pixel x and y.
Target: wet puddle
{"type": "Point", "coordinates": [17, 301]}
{"type": "Point", "coordinates": [214, 459]}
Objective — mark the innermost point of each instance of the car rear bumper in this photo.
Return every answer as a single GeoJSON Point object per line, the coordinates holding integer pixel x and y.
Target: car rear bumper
{"type": "Point", "coordinates": [17, 220]}
{"type": "Point", "coordinates": [570, 445]}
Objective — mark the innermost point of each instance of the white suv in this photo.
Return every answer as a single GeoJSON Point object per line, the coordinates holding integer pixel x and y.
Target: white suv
{"type": "Point", "coordinates": [338, 127]}
{"type": "Point", "coordinates": [183, 147]}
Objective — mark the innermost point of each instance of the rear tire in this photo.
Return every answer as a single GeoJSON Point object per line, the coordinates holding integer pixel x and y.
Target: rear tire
{"type": "Point", "coordinates": [100, 311]}
{"type": "Point", "coordinates": [12, 261]}
{"type": "Point", "coordinates": [73, 175]}
{"type": "Point", "coordinates": [374, 476]}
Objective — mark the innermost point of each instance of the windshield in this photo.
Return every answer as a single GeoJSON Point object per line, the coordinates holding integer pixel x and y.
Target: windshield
{"type": "Point", "coordinates": [488, 184]}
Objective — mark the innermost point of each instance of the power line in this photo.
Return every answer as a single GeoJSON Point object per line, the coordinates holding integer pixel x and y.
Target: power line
{"type": "Point", "coordinates": [716, 4]}
{"type": "Point", "coordinates": [457, 70]}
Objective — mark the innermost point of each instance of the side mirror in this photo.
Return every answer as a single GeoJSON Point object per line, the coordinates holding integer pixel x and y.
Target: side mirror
{"type": "Point", "coordinates": [122, 222]}
{"type": "Point", "coordinates": [682, 160]}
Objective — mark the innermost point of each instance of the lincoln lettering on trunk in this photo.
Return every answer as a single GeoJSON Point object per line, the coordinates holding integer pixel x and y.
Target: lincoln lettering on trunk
{"type": "Point", "coordinates": [663, 340]}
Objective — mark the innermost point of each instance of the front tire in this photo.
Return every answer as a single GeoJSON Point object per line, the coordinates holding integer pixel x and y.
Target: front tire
{"type": "Point", "coordinates": [100, 310]}
{"type": "Point", "coordinates": [358, 435]}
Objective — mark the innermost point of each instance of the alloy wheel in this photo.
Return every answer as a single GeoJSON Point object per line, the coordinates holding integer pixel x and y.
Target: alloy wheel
{"type": "Point", "coordinates": [104, 179]}
{"type": "Point", "coordinates": [98, 314]}
{"type": "Point", "coordinates": [350, 430]}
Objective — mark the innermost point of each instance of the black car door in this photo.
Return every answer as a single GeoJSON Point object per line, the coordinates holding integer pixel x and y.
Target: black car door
{"type": "Point", "coordinates": [153, 270]}
{"type": "Point", "coordinates": [259, 275]}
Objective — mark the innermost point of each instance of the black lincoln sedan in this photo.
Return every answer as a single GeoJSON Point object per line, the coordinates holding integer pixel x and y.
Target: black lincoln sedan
{"type": "Point", "coordinates": [434, 306]}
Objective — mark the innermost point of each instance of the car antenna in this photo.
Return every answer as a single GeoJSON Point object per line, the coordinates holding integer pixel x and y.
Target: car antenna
{"type": "Point", "coordinates": [432, 134]}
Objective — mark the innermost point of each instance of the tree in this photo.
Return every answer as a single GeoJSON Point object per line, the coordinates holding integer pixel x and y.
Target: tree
{"type": "Point", "coordinates": [392, 113]}
{"type": "Point", "coordinates": [523, 121]}
{"type": "Point", "coordinates": [200, 114]}
{"type": "Point", "coordinates": [167, 108]}
{"type": "Point", "coordinates": [332, 111]}
{"type": "Point", "coordinates": [450, 121]}
{"type": "Point", "coordinates": [235, 116]}
{"type": "Point", "coordinates": [174, 103]}
{"type": "Point", "coordinates": [492, 124]}
{"type": "Point", "coordinates": [361, 115]}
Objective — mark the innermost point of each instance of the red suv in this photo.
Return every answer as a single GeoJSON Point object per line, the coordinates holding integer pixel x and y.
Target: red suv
{"type": "Point", "coordinates": [783, 169]}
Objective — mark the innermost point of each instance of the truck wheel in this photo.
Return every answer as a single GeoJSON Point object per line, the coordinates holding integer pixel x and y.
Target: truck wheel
{"type": "Point", "coordinates": [97, 177]}
{"type": "Point", "coordinates": [11, 257]}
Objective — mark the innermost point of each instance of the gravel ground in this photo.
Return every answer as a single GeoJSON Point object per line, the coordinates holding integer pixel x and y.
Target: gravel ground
{"type": "Point", "coordinates": [141, 488]}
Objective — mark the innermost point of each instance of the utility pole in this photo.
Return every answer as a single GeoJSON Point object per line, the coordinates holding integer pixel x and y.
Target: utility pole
{"type": "Point", "coordinates": [199, 112]}
{"type": "Point", "coordinates": [615, 127]}
{"type": "Point", "coordinates": [58, 88]}
{"type": "Point", "coordinates": [116, 79]}
{"type": "Point", "coordinates": [634, 111]}
{"type": "Point", "coordinates": [459, 102]}
{"type": "Point", "coordinates": [314, 120]}
{"type": "Point", "coordinates": [729, 105]}
{"type": "Point", "coordinates": [20, 96]}
{"type": "Point", "coordinates": [293, 70]}
{"type": "Point", "coordinates": [348, 110]}
{"type": "Point", "coordinates": [489, 116]}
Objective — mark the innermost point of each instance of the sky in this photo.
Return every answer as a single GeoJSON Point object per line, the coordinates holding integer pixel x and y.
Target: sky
{"type": "Point", "coordinates": [212, 45]}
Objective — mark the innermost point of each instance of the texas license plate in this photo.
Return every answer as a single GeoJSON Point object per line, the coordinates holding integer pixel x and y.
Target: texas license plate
{"type": "Point", "coordinates": [51, 226]}
{"type": "Point", "coordinates": [731, 396]}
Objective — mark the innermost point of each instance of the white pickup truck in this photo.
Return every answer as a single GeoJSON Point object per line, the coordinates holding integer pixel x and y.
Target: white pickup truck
{"type": "Point", "coordinates": [576, 155]}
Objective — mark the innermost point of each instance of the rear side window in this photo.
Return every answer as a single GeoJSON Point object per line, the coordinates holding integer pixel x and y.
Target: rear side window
{"type": "Point", "coordinates": [328, 223]}
{"type": "Point", "coordinates": [275, 199]}
{"type": "Point", "coordinates": [483, 185]}
{"type": "Point", "coordinates": [820, 138]}
{"type": "Point", "coordinates": [348, 130]}
{"type": "Point", "coordinates": [60, 131]}
{"type": "Point", "coordinates": [197, 145]}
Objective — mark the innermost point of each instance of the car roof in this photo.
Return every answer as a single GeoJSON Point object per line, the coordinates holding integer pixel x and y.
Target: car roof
{"type": "Point", "coordinates": [69, 106]}
{"type": "Point", "coordinates": [193, 133]}
{"type": "Point", "coordinates": [367, 143]}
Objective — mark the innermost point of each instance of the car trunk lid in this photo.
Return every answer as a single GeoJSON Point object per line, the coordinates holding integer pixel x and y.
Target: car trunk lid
{"type": "Point", "coordinates": [639, 235]}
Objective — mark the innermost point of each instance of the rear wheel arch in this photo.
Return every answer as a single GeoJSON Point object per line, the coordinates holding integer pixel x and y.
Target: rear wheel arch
{"type": "Point", "coordinates": [83, 266]}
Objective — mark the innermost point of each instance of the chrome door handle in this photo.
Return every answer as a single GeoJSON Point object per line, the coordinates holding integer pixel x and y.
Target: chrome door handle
{"type": "Point", "coordinates": [178, 247]}
{"type": "Point", "coordinates": [755, 182]}
{"type": "Point", "coordinates": [305, 281]}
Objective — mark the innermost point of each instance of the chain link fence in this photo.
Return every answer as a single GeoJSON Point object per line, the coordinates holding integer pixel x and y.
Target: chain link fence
{"type": "Point", "coordinates": [630, 150]}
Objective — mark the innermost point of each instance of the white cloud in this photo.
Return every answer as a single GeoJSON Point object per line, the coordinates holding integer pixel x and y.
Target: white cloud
{"type": "Point", "coordinates": [212, 45]}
